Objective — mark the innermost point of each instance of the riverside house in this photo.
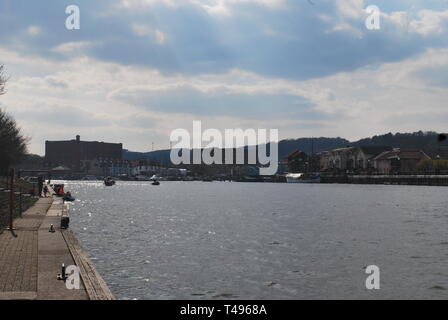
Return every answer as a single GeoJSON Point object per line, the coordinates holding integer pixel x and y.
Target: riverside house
{"type": "Point", "coordinates": [145, 167]}
{"type": "Point", "coordinates": [337, 159]}
{"type": "Point", "coordinates": [399, 161]}
{"type": "Point", "coordinates": [361, 158]}
{"type": "Point", "coordinates": [351, 159]}
{"type": "Point", "coordinates": [297, 161]}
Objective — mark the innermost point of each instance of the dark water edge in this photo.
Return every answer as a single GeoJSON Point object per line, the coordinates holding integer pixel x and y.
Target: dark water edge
{"type": "Point", "coordinates": [221, 240]}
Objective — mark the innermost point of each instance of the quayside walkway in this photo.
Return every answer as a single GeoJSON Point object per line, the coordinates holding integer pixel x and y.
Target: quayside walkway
{"type": "Point", "coordinates": [31, 258]}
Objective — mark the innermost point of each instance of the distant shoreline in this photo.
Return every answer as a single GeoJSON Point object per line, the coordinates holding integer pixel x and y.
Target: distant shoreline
{"type": "Point", "coordinates": [416, 180]}
{"type": "Point", "coordinates": [419, 180]}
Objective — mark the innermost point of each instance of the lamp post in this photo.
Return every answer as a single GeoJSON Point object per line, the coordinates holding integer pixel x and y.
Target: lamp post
{"type": "Point", "coordinates": [11, 200]}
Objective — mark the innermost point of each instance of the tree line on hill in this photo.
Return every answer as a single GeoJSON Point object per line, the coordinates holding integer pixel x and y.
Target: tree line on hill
{"type": "Point", "coordinates": [416, 140]}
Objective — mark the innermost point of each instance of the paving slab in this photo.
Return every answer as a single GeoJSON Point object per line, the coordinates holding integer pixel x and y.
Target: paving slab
{"type": "Point", "coordinates": [53, 252]}
{"type": "Point", "coordinates": [31, 258]}
{"type": "Point", "coordinates": [18, 253]}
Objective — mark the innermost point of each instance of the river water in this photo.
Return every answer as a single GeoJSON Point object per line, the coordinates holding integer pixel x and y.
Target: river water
{"type": "Point", "coordinates": [226, 240]}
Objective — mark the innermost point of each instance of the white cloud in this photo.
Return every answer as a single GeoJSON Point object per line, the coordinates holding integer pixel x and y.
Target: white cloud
{"type": "Point", "coordinates": [138, 4]}
{"type": "Point", "coordinates": [225, 7]}
{"type": "Point", "coordinates": [398, 18]}
{"type": "Point", "coordinates": [352, 9]}
{"type": "Point", "coordinates": [214, 7]}
{"type": "Point", "coordinates": [429, 22]}
{"type": "Point", "coordinates": [365, 102]}
{"type": "Point", "coordinates": [34, 30]}
{"type": "Point", "coordinates": [71, 47]}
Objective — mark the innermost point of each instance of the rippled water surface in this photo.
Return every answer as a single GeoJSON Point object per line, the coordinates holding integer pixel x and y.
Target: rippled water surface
{"type": "Point", "coordinates": [212, 240]}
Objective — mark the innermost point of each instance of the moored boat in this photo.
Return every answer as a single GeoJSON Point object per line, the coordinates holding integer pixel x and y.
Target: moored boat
{"type": "Point", "coordinates": [108, 182]}
{"type": "Point", "coordinates": [68, 197]}
{"type": "Point", "coordinates": [303, 178]}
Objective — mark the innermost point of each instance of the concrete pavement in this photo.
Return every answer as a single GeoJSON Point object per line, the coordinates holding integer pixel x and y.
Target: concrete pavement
{"type": "Point", "coordinates": [19, 251]}
{"type": "Point", "coordinates": [31, 258]}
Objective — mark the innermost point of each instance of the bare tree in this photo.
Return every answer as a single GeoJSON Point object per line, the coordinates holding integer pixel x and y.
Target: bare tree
{"type": "Point", "coordinates": [13, 144]}
{"type": "Point", "coordinates": [2, 79]}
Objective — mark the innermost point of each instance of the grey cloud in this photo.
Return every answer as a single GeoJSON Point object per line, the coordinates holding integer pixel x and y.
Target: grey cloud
{"type": "Point", "coordinates": [62, 116]}
{"type": "Point", "coordinates": [221, 102]}
{"type": "Point", "coordinates": [56, 83]}
{"type": "Point", "coordinates": [137, 121]}
{"type": "Point", "coordinates": [434, 76]}
{"type": "Point", "coordinates": [299, 45]}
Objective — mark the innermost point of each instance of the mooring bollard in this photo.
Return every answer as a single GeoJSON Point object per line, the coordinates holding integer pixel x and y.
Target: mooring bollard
{"type": "Point", "coordinates": [65, 221]}
{"type": "Point", "coordinates": [62, 276]}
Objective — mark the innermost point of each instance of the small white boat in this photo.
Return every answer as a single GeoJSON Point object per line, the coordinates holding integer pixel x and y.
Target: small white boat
{"type": "Point", "coordinates": [303, 178]}
{"type": "Point", "coordinates": [154, 178]}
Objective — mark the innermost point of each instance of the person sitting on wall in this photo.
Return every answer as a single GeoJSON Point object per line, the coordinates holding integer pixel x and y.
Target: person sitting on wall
{"type": "Point", "coordinates": [40, 182]}
{"type": "Point", "coordinates": [46, 191]}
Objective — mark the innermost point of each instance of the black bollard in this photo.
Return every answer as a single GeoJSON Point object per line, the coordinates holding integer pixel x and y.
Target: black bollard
{"type": "Point", "coordinates": [62, 275]}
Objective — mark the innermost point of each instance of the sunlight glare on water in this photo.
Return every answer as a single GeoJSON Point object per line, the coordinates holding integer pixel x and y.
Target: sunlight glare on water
{"type": "Point", "coordinates": [202, 240]}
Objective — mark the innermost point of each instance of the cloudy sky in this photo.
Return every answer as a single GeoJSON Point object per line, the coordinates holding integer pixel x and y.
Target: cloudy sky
{"type": "Point", "coordinates": [138, 69]}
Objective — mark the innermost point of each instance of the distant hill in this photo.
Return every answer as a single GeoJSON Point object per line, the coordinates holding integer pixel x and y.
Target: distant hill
{"type": "Point", "coordinates": [310, 145]}
{"type": "Point", "coordinates": [307, 145]}
{"type": "Point", "coordinates": [162, 156]}
{"type": "Point", "coordinates": [415, 140]}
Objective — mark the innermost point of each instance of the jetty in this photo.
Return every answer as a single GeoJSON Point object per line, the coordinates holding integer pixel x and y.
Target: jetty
{"type": "Point", "coordinates": [32, 255]}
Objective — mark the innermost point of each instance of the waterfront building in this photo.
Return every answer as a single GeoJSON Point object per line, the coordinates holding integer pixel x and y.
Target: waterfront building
{"type": "Point", "coordinates": [337, 160]}
{"type": "Point", "coordinates": [399, 161]}
{"type": "Point", "coordinates": [145, 168]}
{"type": "Point", "coordinates": [361, 158]}
{"type": "Point", "coordinates": [439, 153]}
{"type": "Point", "coordinates": [324, 161]}
{"type": "Point", "coordinates": [298, 161]}
{"type": "Point", "coordinates": [77, 154]}
{"type": "Point", "coordinates": [106, 167]}
{"type": "Point", "coordinates": [350, 159]}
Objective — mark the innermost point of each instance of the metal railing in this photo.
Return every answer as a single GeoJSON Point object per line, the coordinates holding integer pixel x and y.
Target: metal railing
{"type": "Point", "coordinates": [16, 196]}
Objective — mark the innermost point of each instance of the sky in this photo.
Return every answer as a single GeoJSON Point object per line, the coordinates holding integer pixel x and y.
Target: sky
{"type": "Point", "coordinates": [138, 69]}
